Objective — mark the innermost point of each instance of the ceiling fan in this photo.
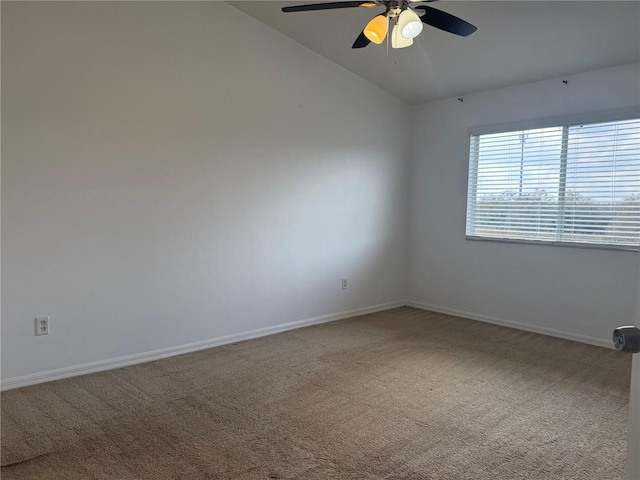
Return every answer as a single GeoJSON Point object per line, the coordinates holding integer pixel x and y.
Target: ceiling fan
{"type": "Point", "coordinates": [407, 23]}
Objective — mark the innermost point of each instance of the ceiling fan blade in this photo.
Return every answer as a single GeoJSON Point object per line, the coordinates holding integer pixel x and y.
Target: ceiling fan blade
{"type": "Point", "coordinates": [445, 21]}
{"type": "Point", "coordinates": [361, 42]}
{"type": "Point", "coordinates": [327, 6]}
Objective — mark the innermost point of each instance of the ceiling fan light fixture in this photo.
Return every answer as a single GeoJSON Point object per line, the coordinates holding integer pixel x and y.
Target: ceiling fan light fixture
{"type": "Point", "coordinates": [398, 41]}
{"type": "Point", "coordinates": [409, 23]}
{"type": "Point", "coordinates": [376, 30]}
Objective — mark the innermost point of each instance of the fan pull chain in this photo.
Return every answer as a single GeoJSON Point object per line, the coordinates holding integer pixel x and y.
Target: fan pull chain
{"type": "Point", "coordinates": [388, 21]}
{"type": "Point", "coordinates": [395, 53]}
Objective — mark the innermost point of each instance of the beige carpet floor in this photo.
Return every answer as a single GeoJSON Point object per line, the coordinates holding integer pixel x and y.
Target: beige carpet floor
{"type": "Point", "coordinates": [398, 394]}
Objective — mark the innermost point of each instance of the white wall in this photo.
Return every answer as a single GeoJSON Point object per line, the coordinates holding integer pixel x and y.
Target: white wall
{"type": "Point", "coordinates": [163, 188]}
{"type": "Point", "coordinates": [576, 293]}
{"type": "Point", "coordinates": [178, 172]}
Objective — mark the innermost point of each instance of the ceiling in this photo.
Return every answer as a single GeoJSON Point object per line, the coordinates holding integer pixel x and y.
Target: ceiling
{"type": "Point", "coordinates": [517, 42]}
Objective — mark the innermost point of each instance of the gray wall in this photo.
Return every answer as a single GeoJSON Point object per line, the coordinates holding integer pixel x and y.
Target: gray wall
{"type": "Point", "coordinates": [575, 293]}
{"type": "Point", "coordinates": [178, 172]}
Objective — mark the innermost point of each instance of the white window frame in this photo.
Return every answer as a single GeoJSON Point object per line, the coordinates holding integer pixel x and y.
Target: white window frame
{"type": "Point", "coordinates": [587, 118]}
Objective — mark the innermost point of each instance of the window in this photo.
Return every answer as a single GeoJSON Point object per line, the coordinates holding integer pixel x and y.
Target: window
{"type": "Point", "coordinates": [566, 184]}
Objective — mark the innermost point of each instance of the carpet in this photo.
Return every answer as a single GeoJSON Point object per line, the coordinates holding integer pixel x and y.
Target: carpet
{"type": "Point", "coordinates": [400, 394]}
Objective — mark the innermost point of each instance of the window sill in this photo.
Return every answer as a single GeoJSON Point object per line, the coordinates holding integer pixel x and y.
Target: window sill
{"type": "Point", "coordinates": [594, 246]}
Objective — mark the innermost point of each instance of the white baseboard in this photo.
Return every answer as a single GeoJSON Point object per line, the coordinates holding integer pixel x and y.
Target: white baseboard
{"type": "Point", "coordinates": [58, 374]}
{"type": "Point", "coordinates": [109, 364]}
{"type": "Point", "coordinates": [599, 342]}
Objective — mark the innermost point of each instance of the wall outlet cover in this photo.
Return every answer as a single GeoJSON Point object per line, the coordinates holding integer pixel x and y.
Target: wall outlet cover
{"type": "Point", "coordinates": [42, 325]}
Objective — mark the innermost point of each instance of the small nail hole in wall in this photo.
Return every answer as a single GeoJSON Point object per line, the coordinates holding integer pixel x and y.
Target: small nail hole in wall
{"type": "Point", "coordinates": [565, 81]}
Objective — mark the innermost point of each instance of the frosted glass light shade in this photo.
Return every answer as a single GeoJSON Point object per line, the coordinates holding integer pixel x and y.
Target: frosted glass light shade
{"type": "Point", "coordinates": [377, 29]}
{"type": "Point", "coordinates": [410, 24]}
{"type": "Point", "coordinates": [397, 40]}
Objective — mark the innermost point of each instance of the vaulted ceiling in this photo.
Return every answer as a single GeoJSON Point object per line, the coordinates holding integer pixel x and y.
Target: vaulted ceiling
{"type": "Point", "coordinates": [516, 42]}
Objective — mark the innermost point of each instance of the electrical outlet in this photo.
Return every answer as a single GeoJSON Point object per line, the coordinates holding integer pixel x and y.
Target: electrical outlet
{"type": "Point", "coordinates": [42, 325]}
{"type": "Point", "coordinates": [344, 283]}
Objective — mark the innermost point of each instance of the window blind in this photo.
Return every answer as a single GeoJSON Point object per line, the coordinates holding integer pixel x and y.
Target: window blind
{"type": "Point", "coordinates": [575, 184]}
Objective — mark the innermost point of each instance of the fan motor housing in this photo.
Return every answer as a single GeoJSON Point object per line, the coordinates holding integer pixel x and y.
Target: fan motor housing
{"type": "Point", "coordinates": [395, 7]}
